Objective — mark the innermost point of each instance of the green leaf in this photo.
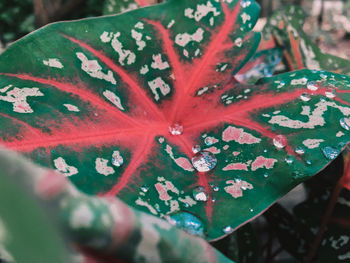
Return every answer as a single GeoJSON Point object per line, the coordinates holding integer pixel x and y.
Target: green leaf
{"type": "Point", "coordinates": [287, 28]}
{"type": "Point", "coordinates": [95, 98]}
{"type": "Point", "coordinates": [104, 228]}
{"type": "Point", "coordinates": [26, 233]}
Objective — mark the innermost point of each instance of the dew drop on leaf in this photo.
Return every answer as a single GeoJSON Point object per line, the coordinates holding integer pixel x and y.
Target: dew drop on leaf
{"type": "Point", "coordinates": [289, 159]}
{"type": "Point", "coordinates": [204, 161]}
{"type": "Point", "coordinates": [305, 97]}
{"type": "Point", "coordinates": [117, 159]}
{"type": "Point", "coordinates": [209, 141]}
{"type": "Point", "coordinates": [299, 150]}
{"type": "Point", "coordinates": [227, 229]}
{"type": "Point", "coordinates": [308, 162]}
{"type": "Point", "coordinates": [187, 221]}
{"type": "Point", "coordinates": [216, 188]}
{"type": "Point", "coordinates": [330, 153]}
{"type": "Point", "coordinates": [144, 189]}
{"type": "Point", "coordinates": [196, 148]}
{"type": "Point", "coordinates": [280, 141]}
{"type": "Point", "coordinates": [176, 129]}
{"type": "Point", "coordinates": [311, 86]}
{"type": "Point", "coordinates": [266, 175]}
{"type": "Point", "coordinates": [199, 194]}
{"type": "Point", "coordinates": [345, 123]}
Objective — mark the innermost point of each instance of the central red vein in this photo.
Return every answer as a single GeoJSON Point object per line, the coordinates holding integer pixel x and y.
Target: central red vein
{"type": "Point", "coordinates": [138, 92]}
{"type": "Point", "coordinates": [139, 156]}
{"type": "Point", "coordinates": [210, 53]}
{"type": "Point", "coordinates": [174, 60]}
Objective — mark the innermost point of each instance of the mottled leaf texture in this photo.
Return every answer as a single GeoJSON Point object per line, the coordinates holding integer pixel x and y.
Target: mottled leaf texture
{"type": "Point", "coordinates": [94, 99]}
{"type": "Point", "coordinates": [286, 26]}
{"type": "Point", "coordinates": [104, 228]}
{"type": "Point", "coordinates": [112, 7]}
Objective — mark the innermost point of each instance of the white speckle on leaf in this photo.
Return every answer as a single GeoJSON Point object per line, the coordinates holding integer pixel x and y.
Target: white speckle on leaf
{"type": "Point", "coordinates": [64, 168]}
{"type": "Point", "coordinates": [171, 23]}
{"type": "Point", "coordinates": [141, 202]}
{"type": "Point", "coordinates": [124, 54]}
{"type": "Point", "coordinates": [156, 84]}
{"type": "Point", "coordinates": [158, 63]}
{"type": "Point", "coordinates": [235, 187]}
{"type": "Point", "coordinates": [183, 162]}
{"type": "Point", "coordinates": [144, 69]}
{"type": "Point", "coordinates": [112, 97]}
{"type": "Point", "coordinates": [312, 143]}
{"type": "Point", "coordinates": [301, 81]}
{"type": "Point", "coordinates": [102, 167]}
{"type": "Point", "coordinates": [315, 118]}
{"type": "Point", "coordinates": [18, 97]}
{"type": "Point", "coordinates": [93, 68]}
{"type": "Point", "coordinates": [245, 17]}
{"type": "Point", "coordinates": [71, 107]}
{"type": "Point", "coordinates": [201, 11]}
{"type": "Point", "coordinates": [53, 63]}
{"type": "Point", "coordinates": [138, 38]}
{"type": "Point", "coordinates": [185, 38]}
{"type": "Point", "coordinates": [139, 25]}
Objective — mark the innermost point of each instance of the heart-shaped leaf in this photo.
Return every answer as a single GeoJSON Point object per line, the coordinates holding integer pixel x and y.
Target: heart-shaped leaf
{"type": "Point", "coordinates": [117, 104]}
{"type": "Point", "coordinates": [300, 52]}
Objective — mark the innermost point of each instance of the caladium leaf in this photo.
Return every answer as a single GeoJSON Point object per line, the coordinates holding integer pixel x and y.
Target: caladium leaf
{"type": "Point", "coordinates": [286, 27]}
{"type": "Point", "coordinates": [262, 64]}
{"type": "Point", "coordinates": [96, 98]}
{"type": "Point", "coordinates": [105, 227]}
{"type": "Point", "coordinates": [112, 7]}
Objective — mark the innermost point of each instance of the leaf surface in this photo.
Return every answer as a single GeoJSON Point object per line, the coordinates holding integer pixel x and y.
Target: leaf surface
{"type": "Point", "coordinates": [95, 100]}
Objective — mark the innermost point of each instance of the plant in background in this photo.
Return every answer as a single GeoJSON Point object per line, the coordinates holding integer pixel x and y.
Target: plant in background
{"type": "Point", "coordinates": [170, 109]}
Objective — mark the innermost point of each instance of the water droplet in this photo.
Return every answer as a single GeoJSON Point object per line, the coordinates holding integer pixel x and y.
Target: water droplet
{"type": "Point", "coordinates": [266, 175]}
{"type": "Point", "coordinates": [300, 150]}
{"type": "Point", "coordinates": [216, 188]}
{"type": "Point", "coordinates": [199, 194]}
{"type": "Point", "coordinates": [196, 148]}
{"type": "Point", "coordinates": [280, 141]}
{"type": "Point", "coordinates": [188, 222]}
{"type": "Point", "coordinates": [330, 152]}
{"type": "Point", "coordinates": [251, 210]}
{"type": "Point", "coordinates": [330, 94]}
{"type": "Point", "coordinates": [289, 159]}
{"type": "Point", "coordinates": [345, 123]}
{"type": "Point", "coordinates": [209, 141]}
{"type": "Point", "coordinates": [204, 161]}
{"type": "Point", "coordinates": [227, 229]}
{"type": "Point", "coordinates": [305, 97]}
{"type": "Point", "coordinates": [213, 200]}
{"type": "Point", "coordinates": [308, 162]}
{"type": "Point", "coordinates": [117, 159]}
{"type": "Point", "coordinates": [311, 86]}
{"type": "Point", "coordinates": [176, 129]}
{"type": "Point", "coordinates": [144, 189]}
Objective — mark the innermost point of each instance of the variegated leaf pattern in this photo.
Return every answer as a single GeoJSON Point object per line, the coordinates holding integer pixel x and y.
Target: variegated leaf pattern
{"type": "Point", "coordinates": [119, 103]}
